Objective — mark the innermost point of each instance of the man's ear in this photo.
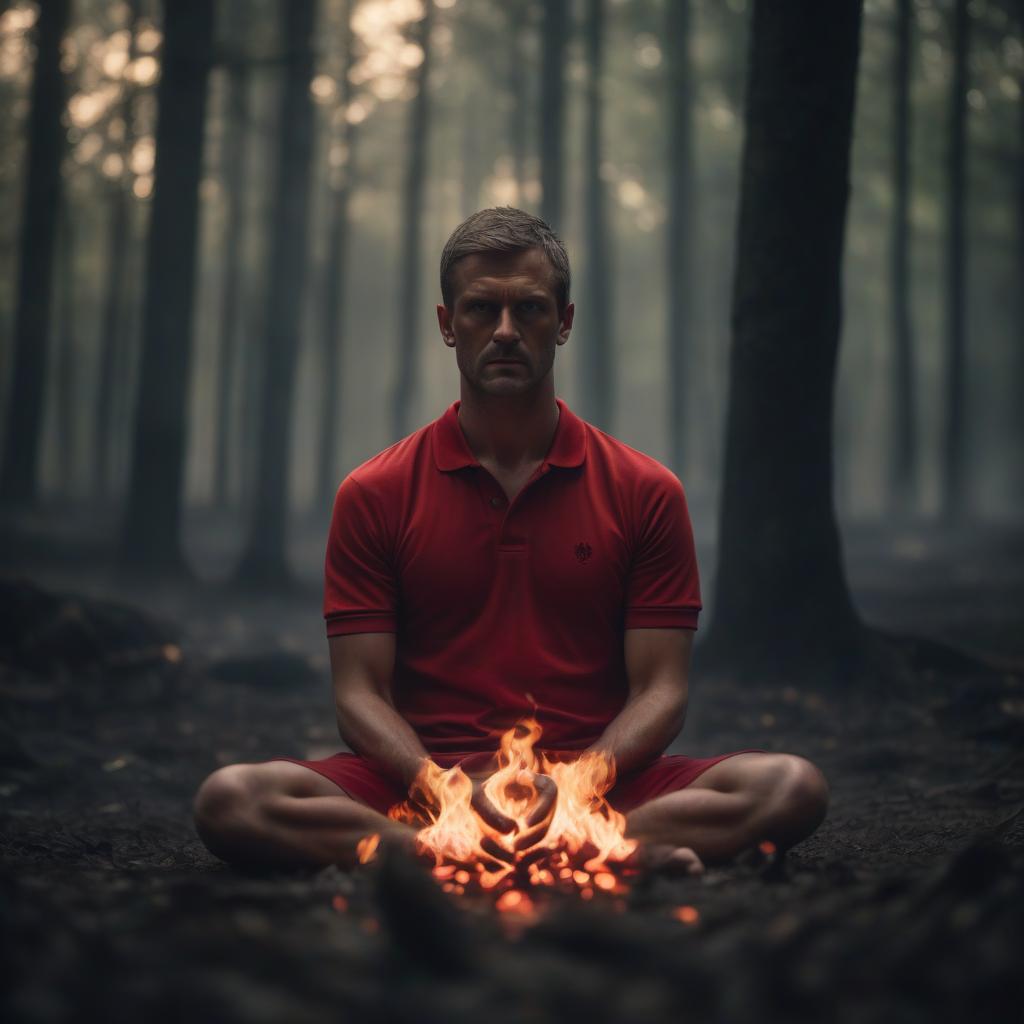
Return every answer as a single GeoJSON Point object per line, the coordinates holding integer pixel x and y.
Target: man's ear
{"type": "Point", "coordinates": [444, 321]}
{"type": "Point", "coordinates": [566, 324]}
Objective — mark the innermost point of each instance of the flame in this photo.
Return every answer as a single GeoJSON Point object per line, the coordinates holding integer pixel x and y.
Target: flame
{"type": "Point", "coordinates": [577, 843]}
{"type": "Point", "coordinates": [366, 848]}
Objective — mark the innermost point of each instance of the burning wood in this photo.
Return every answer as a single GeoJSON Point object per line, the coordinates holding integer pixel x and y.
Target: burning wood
{"type": "Point", "coordinates": [569, 839]}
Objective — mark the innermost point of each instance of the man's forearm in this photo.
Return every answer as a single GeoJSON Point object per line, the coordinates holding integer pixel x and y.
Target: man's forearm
{"type": "Point", "coordinates": [643, 728]}
{"type": "Point", "coordinates": [375, 730]}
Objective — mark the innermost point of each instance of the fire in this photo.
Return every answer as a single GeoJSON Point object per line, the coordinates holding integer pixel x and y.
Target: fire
{"type": "Point", "coordinates": [575, 841]}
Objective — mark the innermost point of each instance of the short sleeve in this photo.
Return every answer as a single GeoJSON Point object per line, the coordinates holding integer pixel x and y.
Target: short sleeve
{"type": "Point", "coordinates": [360, 588]}
{"type": "Point", "coordinates": [663, 590]}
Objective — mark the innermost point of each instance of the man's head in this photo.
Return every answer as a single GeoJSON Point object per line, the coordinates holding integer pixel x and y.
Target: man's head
{"type": "Point", "coordinates": [505, 286]}
{"type": "Point", "coordinates": [503, 230]}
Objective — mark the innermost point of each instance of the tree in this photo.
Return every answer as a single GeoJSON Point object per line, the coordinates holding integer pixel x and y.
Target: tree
{"type": "Point", "coordinates": [265, 558]}
{"type": "Point", "coordinates": [681, 229]}
{"type": "Point", "coordinates": [233, 173]}
{"type": "Point", "coordinates": [335, 274]}
{"type": "Point", "coordinates": [954, 445]}
{"type": "Point", "coordinates": [554, 32]}
{"type": "Point", "coordinates": [596, 366]}
{"type": "Point", "coordinates": [412, 233]}
{"type": "Point", "coordinates": [153, 514]}
{"type": "Point", "coordinates": [32, 317]}
{"type": "Point", "coordinates": [903, 460]}
{"type": "Point", "coordinates": [113, 335]}
{"type": "Point", "coordinates": [782, 607]}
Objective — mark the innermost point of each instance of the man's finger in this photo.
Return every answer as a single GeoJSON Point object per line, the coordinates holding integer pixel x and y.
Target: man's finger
{"type": "Point", "coordinates": [547, 793]}
{"type": "Point", "coordinates": [491, 815]}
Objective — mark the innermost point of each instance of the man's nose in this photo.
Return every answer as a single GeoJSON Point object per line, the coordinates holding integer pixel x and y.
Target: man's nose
{"type": "Point", "coordinates": [506, 330]}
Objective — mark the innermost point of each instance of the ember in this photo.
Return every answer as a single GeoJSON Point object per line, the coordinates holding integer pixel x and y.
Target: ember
{"type": "Point", "coordinates": [577, 843]}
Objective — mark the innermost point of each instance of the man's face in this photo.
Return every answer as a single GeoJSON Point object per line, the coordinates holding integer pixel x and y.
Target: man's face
{"type": "Point", "coordinates": [504, 322]}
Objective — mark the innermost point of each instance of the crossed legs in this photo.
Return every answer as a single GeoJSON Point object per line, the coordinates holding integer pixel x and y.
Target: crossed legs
{"type": "Point", "coordinates": [279, 813]}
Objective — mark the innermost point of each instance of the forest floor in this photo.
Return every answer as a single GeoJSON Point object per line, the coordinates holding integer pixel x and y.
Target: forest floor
{"type": "Point", "coordinates": [120, 696]}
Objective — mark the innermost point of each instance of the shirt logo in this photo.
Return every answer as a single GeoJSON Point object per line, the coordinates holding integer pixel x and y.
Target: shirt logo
{"type": "Point", "coordinates": [583, 551]}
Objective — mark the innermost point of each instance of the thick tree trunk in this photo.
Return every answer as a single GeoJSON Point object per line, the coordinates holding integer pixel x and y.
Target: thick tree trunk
{"type": "Point", "coordinates": [412, 233]}
{"type": "Point", "coordinates": [265, 559]}
{"type": "Point", "coordinates": [681, 227]}
{"type": "Point", "coordinates": [335, 279]}
{"type": "Point", "coordinates": [782, 607]}
{"type": "Point", "coordinates": [954, 444]}
{"type": "Point", "coordinates": [233, 176]}
{"type": "Point", "coordinates": [903, 459]}
{"type": "Point", "coordinates": [32, 315]}
{"type": "Point", "coordinates": [153, 516]}
{"type": "Point", "coordinates": [596, 373]}
{"type": "Point", "coordinates": [554, 34]}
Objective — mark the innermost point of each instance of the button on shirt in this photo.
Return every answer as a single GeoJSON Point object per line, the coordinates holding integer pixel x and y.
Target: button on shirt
{"type": "Point", "coordinates": [504, 609]}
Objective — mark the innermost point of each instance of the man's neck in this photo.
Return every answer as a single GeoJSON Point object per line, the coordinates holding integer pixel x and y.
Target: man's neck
{"type": "Point", "coordinates": [509, 432]}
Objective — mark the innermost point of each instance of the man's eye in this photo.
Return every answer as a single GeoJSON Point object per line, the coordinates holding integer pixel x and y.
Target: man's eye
{"type": "Point", "coordinates": [477, 307]}
{"type": "Point", "coordinates": [529, 307]}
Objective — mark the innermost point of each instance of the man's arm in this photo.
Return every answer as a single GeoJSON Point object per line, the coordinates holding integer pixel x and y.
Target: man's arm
{"type": "Point", "coordinates": [362, 667]}
{"type": "Point", "coordinates": [657, 667]}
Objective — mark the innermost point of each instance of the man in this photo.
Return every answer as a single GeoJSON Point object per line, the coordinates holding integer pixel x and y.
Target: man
{"type": "Point", "coordinates": [509, 559]}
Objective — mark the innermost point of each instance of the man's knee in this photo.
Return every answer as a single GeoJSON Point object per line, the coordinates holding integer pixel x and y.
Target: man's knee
{"type": "Point", "coordinates": [800, 793]}
{"type": "Point", "coordinates": [224, 807]}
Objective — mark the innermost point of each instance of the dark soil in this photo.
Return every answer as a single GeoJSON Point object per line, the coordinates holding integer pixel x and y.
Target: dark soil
{"type": "Point", "coordinates": [907, 904]}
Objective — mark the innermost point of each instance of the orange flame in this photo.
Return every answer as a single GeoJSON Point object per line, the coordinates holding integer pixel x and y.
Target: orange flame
{"type": "Point", "coordinates": [578, 841]}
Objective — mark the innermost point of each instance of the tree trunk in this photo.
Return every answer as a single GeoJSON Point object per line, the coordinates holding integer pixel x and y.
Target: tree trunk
{"type": "Point", "coordinates": [782, 608]}
{"type": "Point", "coordinates": [517, 14]}
{"type": "Point", "coordinates": [954, 446]}
{"type": "Point", "coordinates": [681, 227]}
{"type": "Point", "coordinates": [596, 373]}
{"type": "Point", "coordinates": [412, 232]}
{"type": "Point", "coordinates": [153, 516]}
{"type": "Point", "coordinates": [335, 279]}
{"type": "Point", "coordinates": [113, 335]}
{"type": "Point", "coordinates": [265, 559]}
{"type": "Point", "coordinates": [903, 460]}
{"type": "Point", "coordinates": [554, 33]}
{"type": "Point", "coordinates": [66, 351]}
{"type": "Point", "coordinates": [233, 176]}
{"type": "Point", "coordinates": [32, 315]}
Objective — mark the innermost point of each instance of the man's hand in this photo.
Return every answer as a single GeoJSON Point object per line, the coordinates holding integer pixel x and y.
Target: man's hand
{"type": "Point", "coordinates": [538, 820]}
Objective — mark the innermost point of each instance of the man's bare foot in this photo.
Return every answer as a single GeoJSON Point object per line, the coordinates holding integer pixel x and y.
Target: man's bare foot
{"type": "Point", "coordinates": [665, 857]}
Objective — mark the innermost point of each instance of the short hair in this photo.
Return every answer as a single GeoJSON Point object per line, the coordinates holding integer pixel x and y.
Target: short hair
{"type": "Point", "coordinates": [504, 229]}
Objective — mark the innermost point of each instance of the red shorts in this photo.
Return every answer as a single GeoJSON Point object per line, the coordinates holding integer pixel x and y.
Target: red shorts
{"type": "Point", "coordinates": [364, 782]}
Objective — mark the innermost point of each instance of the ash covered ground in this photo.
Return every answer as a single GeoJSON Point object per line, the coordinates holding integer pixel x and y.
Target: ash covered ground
{"type": "Point", "coordinates": [119, 697]}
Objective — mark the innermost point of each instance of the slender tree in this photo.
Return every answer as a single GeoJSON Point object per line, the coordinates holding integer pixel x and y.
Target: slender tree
{"type": "Point", "coordinates": [66, 368]}
{"type": "Point", "coordinates": [596, 371]}
{"type": "Point", "coordinates": [554, 33]}
{"type": "Point", "coordinates": [954, 446]}
{"type": "Point", "coordinates": [233, 174]}
{"type": "Point", "coordinates": [681, 225]}
{"type": "Point", "coordinates": [113, 334]}
{"type": "Point", "coordinates": [412, 233]}
{"type": "Point", "coordinates": [153, 515]}
{"type": "Point", "coordinates": [336, 273]}
{"type": "Point", "coordinates": [516, 14]}
{"type": "Point", "coordinates": [265, 558]}
{"type": "Point", "coordinates": [32, 315]}
{"type": "Point", "coordinates": [903, 461]}
{"type": "Point", "coordinates": [782, 607]}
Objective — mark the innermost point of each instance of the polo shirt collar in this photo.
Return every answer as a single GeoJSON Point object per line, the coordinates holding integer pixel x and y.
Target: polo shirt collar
{"type": "Point", "coordinates": [452, 451]}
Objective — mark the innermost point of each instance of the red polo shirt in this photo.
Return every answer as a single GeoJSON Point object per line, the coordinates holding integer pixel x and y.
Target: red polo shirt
{"type": "Point", "coordinates": [502, 609]}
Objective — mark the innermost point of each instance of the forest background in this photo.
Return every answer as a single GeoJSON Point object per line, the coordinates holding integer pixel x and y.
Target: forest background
{"type": "Point", "coordinates": [337, 154]}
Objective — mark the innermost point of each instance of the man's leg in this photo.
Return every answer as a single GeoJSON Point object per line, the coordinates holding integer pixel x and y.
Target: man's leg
{"type": "Point", "coordinates": [279, 813]}
{"type": "Point", "coordinates": [735, 804]}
